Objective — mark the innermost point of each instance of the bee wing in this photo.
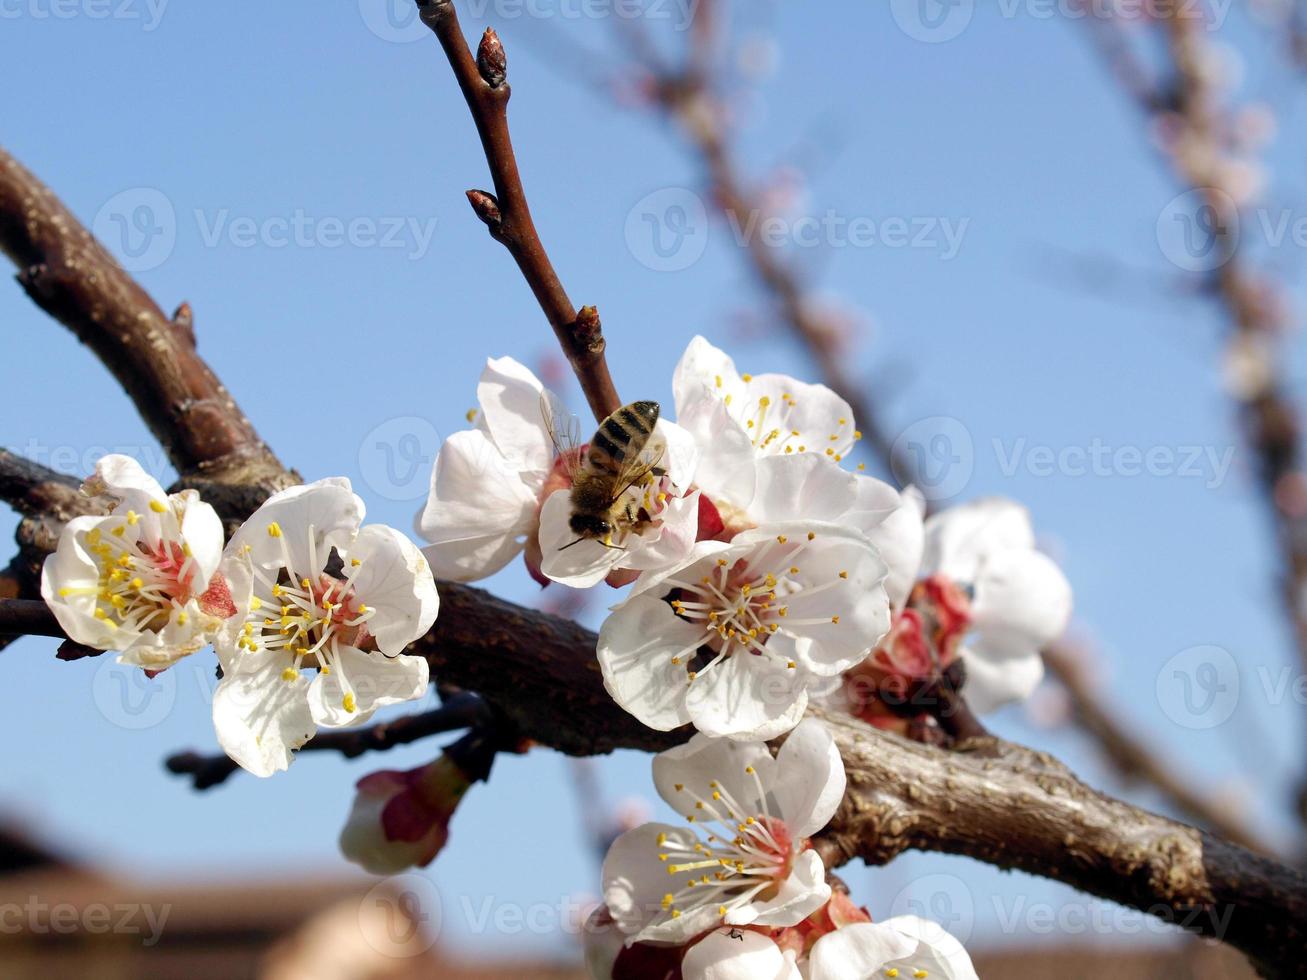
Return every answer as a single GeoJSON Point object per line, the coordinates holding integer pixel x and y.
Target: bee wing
{"type": "Point", "coordinates": [565, 433]}
{"type": "Point", "coordinates": [638, 469]}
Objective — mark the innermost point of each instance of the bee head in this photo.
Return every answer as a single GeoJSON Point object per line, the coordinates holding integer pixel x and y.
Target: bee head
{"type": "Point", "coordinates": [590, 526]}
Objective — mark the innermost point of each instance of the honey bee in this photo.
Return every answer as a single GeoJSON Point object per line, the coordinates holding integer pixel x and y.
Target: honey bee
{"type": "Point", "coordinates": [619, 457]}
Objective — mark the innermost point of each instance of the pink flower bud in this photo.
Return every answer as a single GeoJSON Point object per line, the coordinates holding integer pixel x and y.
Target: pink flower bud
{"type": "Point", "coordinates": [401, 820]}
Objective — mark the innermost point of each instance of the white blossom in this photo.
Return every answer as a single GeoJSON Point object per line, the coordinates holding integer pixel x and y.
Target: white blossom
{"type": "Point", "coordinates": [141, 580]}
{"type": "Point", "coordinates": [731, 639]}
{"type": "Point", "coordinates": [745, 858]}
{"type": "Point", "coordinates": [316, 593]}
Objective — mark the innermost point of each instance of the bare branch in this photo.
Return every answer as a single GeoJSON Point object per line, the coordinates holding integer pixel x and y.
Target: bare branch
{"type": "Point", "coordinates": [27, 617]}
{"type": "Point", "coordinates": [506, 213]}
{"type": "Point", "coordinates": [72, 277]}
{"type": "Point", "coordinates": [1136, 760]}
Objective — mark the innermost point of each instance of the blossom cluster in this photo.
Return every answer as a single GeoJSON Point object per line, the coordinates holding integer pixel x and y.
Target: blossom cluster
{"type": "Point", "coordinates": [764, 573]}
{"type": "Point", "coordinates": [308, 610]}
{"type": "Point", "coordinates": [741, 893]}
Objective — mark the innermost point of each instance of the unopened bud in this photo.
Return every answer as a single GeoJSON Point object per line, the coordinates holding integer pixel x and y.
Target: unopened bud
{"type": "Point", "coordinates": [486, 207]}
{"type": "Point", "coordinates": [492, 62]}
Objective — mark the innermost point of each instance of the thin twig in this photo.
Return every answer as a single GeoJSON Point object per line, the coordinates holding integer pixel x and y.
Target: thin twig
{"type": "Point", "coordinates": [484, 84]}
{"type": "Point", "coordinates": [460, 711]}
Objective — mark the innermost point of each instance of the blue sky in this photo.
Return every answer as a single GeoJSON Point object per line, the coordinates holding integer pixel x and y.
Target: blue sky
{"type": "Point", "coordinates": [302, 167]}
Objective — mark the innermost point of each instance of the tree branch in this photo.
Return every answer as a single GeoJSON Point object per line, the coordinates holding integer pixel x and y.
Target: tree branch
{"type": "Point", "coordinates": [73, 277]}
{"type": "Point", "coordinates": [506, 213]}
{"type": "Point", "coordinates": [459, 711]}
{"type": "Point", "coordinates": [1135, 760]}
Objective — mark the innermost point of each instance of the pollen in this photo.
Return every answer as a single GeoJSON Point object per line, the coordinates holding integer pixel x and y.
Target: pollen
{"type": "Point", "coordinates": [274, 531]}
{"type": "Point", "coordinates": [835, 620]}
{"type": "Point", "coordinates": [844, 574]}
{"type": "Point", "coordinates": [350, 703]}
{"type": "Point", "coordinates": [289, 674]}
{"type": "Point", "coordinates": [470, 415]}
{"type": "Point", "coordinates": [781, 539]}
{"type": "Point", "coordinates": [158, 507]}
{"type": "Point", "coordinates": [746, 378]}
{"type": "Point", "coordinates": [133, 518]}
{"type": "Point", "coordinates": [812, 535]}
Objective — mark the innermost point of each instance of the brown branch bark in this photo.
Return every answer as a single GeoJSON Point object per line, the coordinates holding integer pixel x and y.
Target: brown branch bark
{"type": "Point", "coordinates": [1133, 759]}
{"type": "Point", "coordinates": [73, 277]}
{"type": "Point", "coordinates": [507, 215]}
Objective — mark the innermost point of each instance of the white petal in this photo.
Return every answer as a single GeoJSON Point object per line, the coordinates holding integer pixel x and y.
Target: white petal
{"type": "Point", "coordinates": [747, 697]}
{"type": "Point", "coordinates": [994, 680]}
{"type": "Point", "coordinates": [72, 568]}
{"type": "Point", "coordinates": [697, 374]}
{"type": "Point", "coordinates": [809, 782]}
{"type": "Point", "coordinates": [822, 418]}
{"type": "Point", "coordinates": [727, 460]}
{"type": "Point", "coordinates": [802, 486]}
{"type": "Point", "coordinates": [702, 761]}
{"type": "Point", "coordinates": [124, 478]}
{"type": "Point", "coordinates": [938, 953]}
{"type": "Point", "coordinates": [260, 718]}
{"type": "Point", "coordinates": [510, 400]}
{"type": "Point", "coordinates": [572, 561]}
{"type": "Point", "coordinates": [393, 578]}
{"type": "Point", "coordinates": [636, 645]}
{"type": "Point", "coordinates": [680, 453]}
{"type": "Point", "coordinates": [201, 528]}
{"type": "Point", "coordinates": [1022, 599]}
{"type": "Point", "coordinates": [374, 679]}
{"type": "Point", "coordinates": [900, 538]}
{"type": "Point", "coordinates": [329, 507]}
{"type": "Point", "coordinates": [858, 952]}
{"type": "Point", "coordinates": [960, 538]}
{"type": "Point", "coordinates": [479, 512]}
{"type": "Point", "coordinates": [635, 881]}
{"type": "Point", "coordinates": [803, 892]}
{"type": "Point", "coordinates": [732, 954]}
{"type": "Point", "coordinates": [671, 542]}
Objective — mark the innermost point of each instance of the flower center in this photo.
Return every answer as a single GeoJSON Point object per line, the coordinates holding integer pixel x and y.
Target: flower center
{"type": "Point", "coordinates": [740, 604]}
{"type": "Point", "coordinates": [138, 585]}
{"type": "Point", "coordinates": [746, 860]}
{"type": "Point", "coordinates": [305, 618]}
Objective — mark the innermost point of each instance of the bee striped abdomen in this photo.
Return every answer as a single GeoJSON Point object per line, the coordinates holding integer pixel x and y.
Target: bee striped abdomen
{"type": "Point", "coordinates": [624, 432]}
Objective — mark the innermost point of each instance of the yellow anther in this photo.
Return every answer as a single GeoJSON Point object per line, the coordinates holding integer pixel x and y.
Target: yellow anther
{"type": "Point", "coordinates": [305, 584]}
{"type": "Point", "coordinates": [893, 971]}
{"type": "Point", "coordinates": [181, 619]}
{"type": "Point", "coordinates": [676, 661]}
{"type": "Point", "coordinates": [783, 611]}
{"type": "Point", "coordinates": [364, 610]}
{"type": "Point", "coordinates": [676, 913]}
{"type": "Point", "coordinates": [256, 602]}
{"type": "Point", "coordinates": [137, 583]}
{"type": "Point", "coordinates": [667, 900]}
{"type": "Point", "coordinates": [158, 507]}
{"type": "Point", "coordinates": [746, 377]}
{"type": "Point", "coordinates": [920, 974]}
{"type": "Point", "coordinates": [844, 574]}
{"type": "Point", "coordinates": [812, 535]}
{"type": "Point", "coordinates": [721, 562]}
{"type": "Point", "coordinates": [764, 401]}
{"type": "Point", "coordinates": [274, 530]}
{"type": "Point", "coordinates": [803, 449]}
{"type": "Point", "coordinates": [719, 380]}
{"type": "Point", "coordinates": [794, 569]}
{"type": "Point", "coordinates": [857, 434]}
{"type": "Point", "coordinates": [781, 538]}
{"type": "Point", "coordinates": [276, 591]}
{"type": "Point", "coordinates": [829, 451]}
{"type": "Point", "coordinates": [470, 415]}
{"type": "Point", "coordinates": [862, 466]}
{"type": "Point", "coordinates": [791, 665]}
{"type": "Point", "coordinates": [118, 531]}
{"type": "Point", "coordinates": [355, 562]}
{"type": "Point", "coordinates": [835, 620]}
{"type": "Point", "coordinates": [350, 703]}
{"type": "Point", "coordinates": [133, 518]}
{"type": "Point", "coordinates": [289, 674]}
{"type": "Point", "coordinates": [844, 421]}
